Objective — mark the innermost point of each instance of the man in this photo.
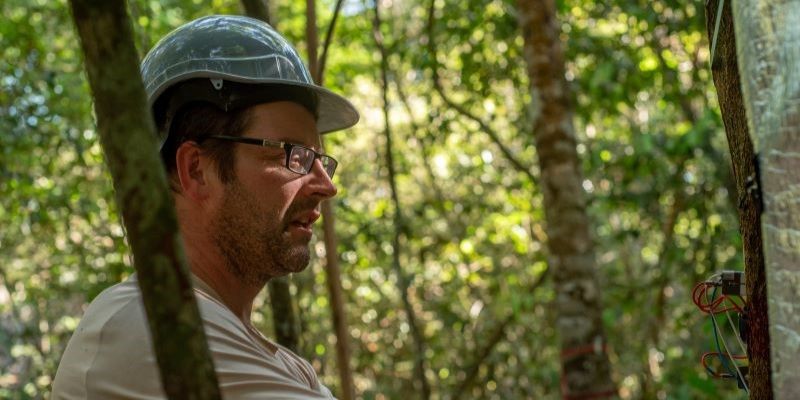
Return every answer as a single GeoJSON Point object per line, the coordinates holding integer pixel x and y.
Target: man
{"type": "Point", "coordinates": [240, 119]}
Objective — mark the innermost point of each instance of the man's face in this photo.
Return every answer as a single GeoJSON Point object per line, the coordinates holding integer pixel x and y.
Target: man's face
{"type": "Point", "coordinates": [263, 223]}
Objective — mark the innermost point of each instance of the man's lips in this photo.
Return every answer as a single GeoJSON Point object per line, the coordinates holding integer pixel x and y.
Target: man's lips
{"type": "Point", "coordinates": [306, 219]}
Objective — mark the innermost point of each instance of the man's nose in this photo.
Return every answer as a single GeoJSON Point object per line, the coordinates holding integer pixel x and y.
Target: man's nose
{"type": "Point", "coordinates": [320, 183]}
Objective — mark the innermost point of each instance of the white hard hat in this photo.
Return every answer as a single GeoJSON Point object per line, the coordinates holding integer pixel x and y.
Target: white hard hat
{"type": "Point", "coordinates": [244, 54]}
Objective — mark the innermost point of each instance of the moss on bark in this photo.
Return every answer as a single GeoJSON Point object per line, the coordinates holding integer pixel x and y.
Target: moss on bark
{"type": "Point", "coordinates": [127, 135]}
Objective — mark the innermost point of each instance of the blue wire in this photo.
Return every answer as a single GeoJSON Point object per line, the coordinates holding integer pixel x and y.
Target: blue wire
{"type": "Point", "coordinates": [710, 371]}
{"type": "Point", "coordinates": [724, 360]}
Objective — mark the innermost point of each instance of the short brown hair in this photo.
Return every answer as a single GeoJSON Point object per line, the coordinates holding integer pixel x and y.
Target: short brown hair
{"type": "Point", "coordinates": [196, 122]}
{"type": "Point", "coordinates": [196, 109]}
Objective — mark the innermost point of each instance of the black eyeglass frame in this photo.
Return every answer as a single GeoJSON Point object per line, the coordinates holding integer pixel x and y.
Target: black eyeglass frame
{"type": "Point", "coordinates": [329, 163]}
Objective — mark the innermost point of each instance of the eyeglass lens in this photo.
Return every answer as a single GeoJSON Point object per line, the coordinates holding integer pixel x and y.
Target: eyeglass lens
{"type": "Point", "coordinates": [301, 160]}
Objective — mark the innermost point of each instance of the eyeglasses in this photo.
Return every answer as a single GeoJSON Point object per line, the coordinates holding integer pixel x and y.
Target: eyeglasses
{"type": "Point", "coordinates": [299, 159]}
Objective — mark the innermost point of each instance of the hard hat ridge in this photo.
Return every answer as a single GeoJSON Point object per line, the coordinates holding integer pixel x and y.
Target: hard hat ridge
{"type": "Point", "coordinates": [244, 59]}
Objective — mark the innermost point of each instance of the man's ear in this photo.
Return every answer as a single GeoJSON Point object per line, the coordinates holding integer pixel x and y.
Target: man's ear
{"type": "Point", "coordinates": [195, 171]}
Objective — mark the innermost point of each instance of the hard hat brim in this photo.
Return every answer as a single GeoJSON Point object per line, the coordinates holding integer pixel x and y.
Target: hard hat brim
{"type": "Point", "coordinates": [242, 50]}
{"type": "Point", "coordinates": [334, 112]}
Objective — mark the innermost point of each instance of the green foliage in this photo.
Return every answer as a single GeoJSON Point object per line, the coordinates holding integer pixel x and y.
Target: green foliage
{"type": "Point", "coordinates": [650, 139]}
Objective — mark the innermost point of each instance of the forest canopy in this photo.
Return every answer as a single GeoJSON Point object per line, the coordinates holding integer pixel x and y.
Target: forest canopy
{"type": "Point", "coordinates": [452, 233]}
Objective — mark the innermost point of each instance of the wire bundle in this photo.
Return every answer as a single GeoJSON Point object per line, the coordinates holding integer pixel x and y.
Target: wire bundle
{"type": "Point", "coordinates": [705, 297]}
{"type": "Point", "coordinates": [712, 305]}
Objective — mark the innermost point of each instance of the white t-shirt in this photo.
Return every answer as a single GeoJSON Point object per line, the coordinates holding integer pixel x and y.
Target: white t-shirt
{"type": "Point", "coordinates": [110, 355]}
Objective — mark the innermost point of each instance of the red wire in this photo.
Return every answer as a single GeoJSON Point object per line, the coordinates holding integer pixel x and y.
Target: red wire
{"type": "Point", "coordinates": [717, 374]}
{"type": "Point", "coordinates": [699, 292]}
{"type": "Point", "coordinates": [715, 306]}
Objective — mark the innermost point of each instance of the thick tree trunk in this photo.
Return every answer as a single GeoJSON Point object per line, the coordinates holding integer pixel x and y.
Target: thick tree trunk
{"type": "Point", "coordinates": [725, 71]}
{"type": "Point", "coordinates": [332, 270]}
{"type": "Point", "coordinates": [769, 60]}
{"type": "Point", "coordinates": [585, 366]}
{"type": "Point", "coordinates": [127, 134]}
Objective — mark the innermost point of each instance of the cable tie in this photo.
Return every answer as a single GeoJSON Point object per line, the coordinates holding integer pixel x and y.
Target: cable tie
{"type": "Point", "coordinates": [716, 32]}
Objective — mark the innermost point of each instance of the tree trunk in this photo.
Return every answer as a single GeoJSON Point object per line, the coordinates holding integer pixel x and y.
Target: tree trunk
{"type": "Point", "coordinates": [769, 57]}
{"type": "Point", "coordinates": [400, 228]}
{"type": "Point", "coordinates": [332, 270]}
{"type": "Point", "coordinates": [287, 326]}
{"type": "Point", "coordinates": [338, 315]}
{"type": "Point", "coordinates": [585, 367]}
{"type": "Point", "coordinates": [725, 70]}
{"type": "Point", "coordinates": [127, 134]}
{"type": "Point", "coordinates": [258, 9]}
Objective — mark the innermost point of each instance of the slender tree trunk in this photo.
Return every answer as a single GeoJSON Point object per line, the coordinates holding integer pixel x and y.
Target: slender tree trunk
{"type": "Point", "coordinates": [656, 323]}
{"type": "Point", "coordinates": [284, 319]}
{"type": "Point", "coordinates": [323, 58]}
{"type": "Point", "coordinates": [485, 127]}
{"type": "Point", "coordinates": [725, 70]}
{"type": "Point", "coordinates": [312, 39]}
{"type": "Point", "coordinates": [769, 59]}
{"type": "Point", "coordinates": [258, 9]}
{"type": "Point", "coordinates": [127, 134]}
{"type": "Point", "coordinates": [400, 228]}
{"type": "Point", "coordinates": [332, 270]}
{"type": "Point", "coordinates": [585, 367]}
{"type": "Point", "coordinates": [338, 315]}
{"type": "Point", "coordinates": [287, 326]}
{"type": "Point", "coordinates": [498, 334]}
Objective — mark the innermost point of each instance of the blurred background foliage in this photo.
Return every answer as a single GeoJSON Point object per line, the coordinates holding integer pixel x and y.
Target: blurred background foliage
{"type": "Point", "coordinates": [650, 138]}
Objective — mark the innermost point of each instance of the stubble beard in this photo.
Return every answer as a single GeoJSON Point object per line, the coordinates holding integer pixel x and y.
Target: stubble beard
{"type": "Point", "coordinates": [255, 243]}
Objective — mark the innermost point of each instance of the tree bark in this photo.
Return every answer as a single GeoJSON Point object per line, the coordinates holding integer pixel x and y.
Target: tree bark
{"type": "Point", "coordinates": [725, 71]}
{"type": "Point", "coordinates": [312, 39]}
{"type": "Point", "coordinates": [258, 9]}
{"type": "Point", "coordinates": [585, 367]}
{"type": "Point", "coordinates": [338, 314]}
{"type": "Point", "coordinates": [287, 326]}
{"type": "Point", "coordinates": [332, 270]}
{"type": "Point", "coordinates": [769, 60]}
{"type": "Point", "coordinates": [127, 134]}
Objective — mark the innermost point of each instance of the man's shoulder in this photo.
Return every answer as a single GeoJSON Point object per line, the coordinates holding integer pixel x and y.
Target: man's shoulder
{"type": "Point", "coordinates": [98, 356]}
{"type": "Point", "coordinates": [119, 304]}
{"type": "Point", "coordinates": [113, 343]}
{"type": "Point", "coordinates": [120, 308]}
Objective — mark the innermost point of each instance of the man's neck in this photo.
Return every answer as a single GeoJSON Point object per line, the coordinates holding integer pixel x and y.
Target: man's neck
{"type": "Point", "coordinates": [208, 265]}
{"type": "Point", "coordinates": [235, 295]}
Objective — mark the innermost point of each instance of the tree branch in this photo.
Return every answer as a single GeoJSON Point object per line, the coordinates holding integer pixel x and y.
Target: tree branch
{"type": "Point", "coordinates": [495, 338]}
{"type": "Point", "coordinates": [437, 85]}
{"type": "Point", "coordinates": [456, 223]}
{"type": "Point", "coordinates": [327, 43]}
{"type": "Point", "coordinates": [400, 228]}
